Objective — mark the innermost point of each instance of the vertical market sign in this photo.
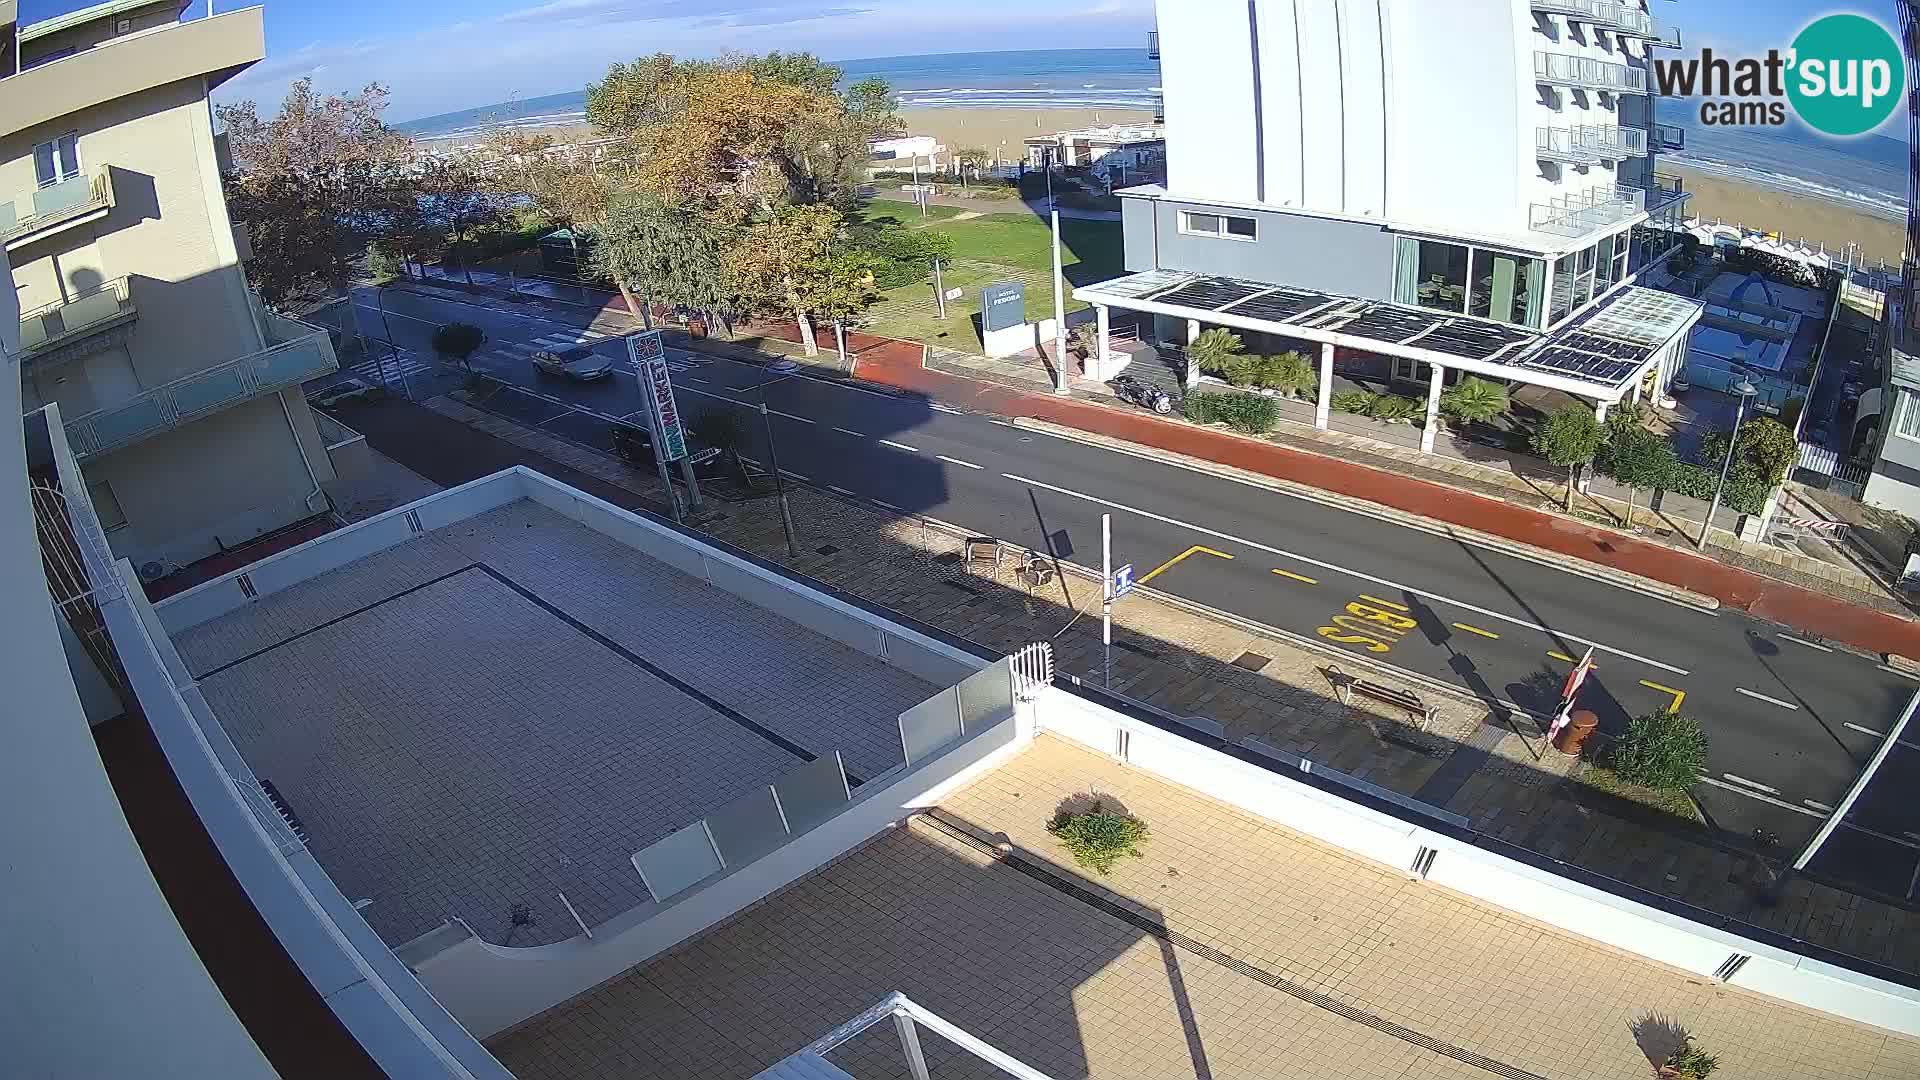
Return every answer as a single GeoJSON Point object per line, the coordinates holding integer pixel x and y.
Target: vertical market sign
{"type": "Point", "coordinates": [649, 358]}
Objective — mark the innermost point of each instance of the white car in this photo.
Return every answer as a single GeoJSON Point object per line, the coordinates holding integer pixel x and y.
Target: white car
{"type": "Point", "coordinates": [578, 363]}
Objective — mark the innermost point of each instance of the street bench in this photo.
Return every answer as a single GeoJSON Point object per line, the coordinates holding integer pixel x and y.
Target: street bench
{"type": "Point", "coordinates": [1405, 700]}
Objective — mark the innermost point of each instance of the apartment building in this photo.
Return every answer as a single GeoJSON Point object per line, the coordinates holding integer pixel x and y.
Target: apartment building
{"type": "Point", "coordinates": [182, 395]}
{"type": "Point", "coordinates": [1448, 185]}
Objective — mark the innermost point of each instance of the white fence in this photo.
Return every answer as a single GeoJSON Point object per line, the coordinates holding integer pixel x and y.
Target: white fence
{"type": "Point", "coordinates": [1705, 951]}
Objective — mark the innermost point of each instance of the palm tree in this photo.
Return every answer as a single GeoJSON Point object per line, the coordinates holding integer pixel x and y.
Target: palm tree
{"type": "Point", "coordinates": [1213, 348]}
{"type": "Point", "coordinates": [1474, 401]}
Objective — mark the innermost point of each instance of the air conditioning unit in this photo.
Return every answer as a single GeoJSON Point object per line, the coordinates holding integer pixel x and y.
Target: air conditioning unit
{"type": "Point", "coordinates": [153, 570]}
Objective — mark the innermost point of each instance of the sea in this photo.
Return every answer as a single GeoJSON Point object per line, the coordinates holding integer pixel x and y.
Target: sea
{"type": "Point", "coordinates": [1866, 173]}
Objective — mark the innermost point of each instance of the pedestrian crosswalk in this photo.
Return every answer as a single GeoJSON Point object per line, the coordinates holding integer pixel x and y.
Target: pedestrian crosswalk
{"type": "Point", "coordinates": [401, 364]}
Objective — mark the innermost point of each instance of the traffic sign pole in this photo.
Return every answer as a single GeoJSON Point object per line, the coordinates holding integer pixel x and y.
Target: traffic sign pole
{"type": "Point", "coordinates": [1106, 600]}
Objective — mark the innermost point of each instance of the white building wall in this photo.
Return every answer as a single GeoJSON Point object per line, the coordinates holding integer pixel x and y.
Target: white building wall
{"type": "Point", "coordinates": [1206, 66]}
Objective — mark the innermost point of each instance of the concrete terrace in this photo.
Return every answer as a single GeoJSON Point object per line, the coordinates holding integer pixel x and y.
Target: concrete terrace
{"type": "Point", "coordinates": [1236, 947]}
{"type": "Point", "coordinates": [508, 707]}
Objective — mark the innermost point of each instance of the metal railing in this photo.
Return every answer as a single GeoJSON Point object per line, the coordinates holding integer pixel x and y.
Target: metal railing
{"type": "Point", "coordinates": [1582, 212]}
{"type": "Point", "coordinates": [1153, 44]}
{"type": "Point", "coordinates": [907, 1017]}
{"type": "Point", "coordinates": [54, 203]}
{"type": "Point", "coordinates": [193, 396]}
{"type": "Point", "coordinates": [1626, 18]}
{"type": "Point", "coordinates": [1587, 73]}
{"type": "Point", "coordinates": [1032, 670]}
{"type": "Point", "coordinates": [1661, 189]}
{"type": "Point", "coordinates": [1669, 136]}
{"type": "Point", "coordinates": [49, 325]}
{"type": "Point", "coordinates": [1611, 141]}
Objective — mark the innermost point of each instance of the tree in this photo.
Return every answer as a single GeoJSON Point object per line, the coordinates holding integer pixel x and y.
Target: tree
{"type": "Point", "coordinates": [455, 200]}
{"type": "Point", "coordinates": [459, 341]}
{"type": "Point", "coordinates": [1763, 453]}
{"type": "Point", "coordinates": [965, 157]}
{"type": "Point", "coordinates": [1570, 437]}
{"type": "Point", "coordinates": [1638, 458]}
{"type": "Point", "coordinates": [787, 262]}
{"type": "Point", "coordinates": [562, 182]}
{"type": "Point", "coordinates": [1212, 349]}
{"type": "Point", "coordinates": [676, 257]}
{"type": "Point", "coordinates": [1474, 401]}
{"type": "Point", "coordinates": [313, 184]}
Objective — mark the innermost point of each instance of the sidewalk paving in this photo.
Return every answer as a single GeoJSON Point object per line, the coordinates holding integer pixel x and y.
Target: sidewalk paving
{"type": "Point", "coordinates": [1233, 948]}
{"type": "Point", "coordinates": [1182, 661]}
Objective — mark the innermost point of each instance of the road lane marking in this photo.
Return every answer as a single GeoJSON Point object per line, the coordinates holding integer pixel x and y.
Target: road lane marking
{"type": "Point", "coordinates": [956, 461]}
{"type": "Point", "coordinates": [900, 446]}
{"type": "Point", "coordinates": [886, 504]}
{"type": "Point", "coordinates": [1808, 644]}
{"type": "Point", "coordinates": [1385, 583]}
{"type": "Point", "coordinates": [790, 416]}
{"type": "Point", "coordinates": [1560, 656]}
{"type": "Point", "coordinates": [1868, 731]}
{"type": "Point", "coordinates": [1897, 671]}
{"type": "Point", "coordinates": [1384, 603]}
{"type": "Point", "coordinates": [1782, 803]}
{"type": "Point", "coordinates": [1475, 630]}
{"type": "Point", "coordinates": [1765, 698]}
{"type": "Point", "coordinates": [692, 379]}
{"type": "Point", "coordinates": [722, 397]}
{"type": "Point", "coordinates": [1197, 549]}
{"type": "Point", "coordinates": [1297, 577]}
{"type": "Point", "coordinates": [943, 408]}
{"type": "Point", "coordinates": [1817, 805]}
{"type": "Point", "coordinates": [841, 490]}
{"type": "Point", "coordinates": [790, 474]}
{"type": "Point", "coordinates": [850, 431]}
{"type": "Point", "coordinates": [1003, 423]}
{"type": "Point", "coordinates": [1754, 784]}
{"type": "Point", "coordinates": [1678, 695]}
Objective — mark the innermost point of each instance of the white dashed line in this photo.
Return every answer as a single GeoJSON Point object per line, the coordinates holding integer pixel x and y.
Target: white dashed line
{"type": "Point", "coordinates": [956, 461]}
{"type": "Point", "coordinates": [1003, 423]}
{"type": "Point", "coordinates": [791, 475]}
{"type": "Point", "coordinates": [1897, 671]}
{"type": "Point", "coordinates": [900, 446]}
{"type": "Point", "coordinates": [1808, 644]}
{"type": "Point", "coordinates": [850, 431]}
{"type": "Point", "coordinates": [1393, 585]}
{"type": "Point", "coordinates": [790, 416]}
{"type": "Point", "coordinates": [886, 504]}
{"type": "Point", "coordinates": [943, 408]}
{"type": "Point", "coordinates": [1820, 806]}
{"type": "Point", "coordinates": [1765, 698]}
{"type": "Point", "coordinates": [841, 490]}
{"type": "Point", "coordinates": [1782, 803]}
{"type": "Point", "coordinates": [1867, 731]}
{"type": "Point", "coordinates": [1754, 784]}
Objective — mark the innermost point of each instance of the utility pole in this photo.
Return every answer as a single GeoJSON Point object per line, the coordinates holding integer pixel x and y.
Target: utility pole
{"type": "Point", "coordinates": [1106, 601]}
{"type": "Point", "coordinates": [1059, 315]}
{"type": "Point", "coordinates": [939, 289]}
{"type": "Point", "coordinates": [779, 483]}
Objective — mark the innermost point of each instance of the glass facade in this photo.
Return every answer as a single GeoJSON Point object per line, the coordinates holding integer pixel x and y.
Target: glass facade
{"type": "Point", "coordinates": [1468, 280]}
{"type": "Point", "coordinates": [1506, 288]}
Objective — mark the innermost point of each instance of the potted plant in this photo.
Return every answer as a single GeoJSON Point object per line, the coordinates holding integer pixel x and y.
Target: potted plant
{"type": "Point", "coordinates": [1689, 1062]}
{"type": "Point", "coordinates": [1099, 837]}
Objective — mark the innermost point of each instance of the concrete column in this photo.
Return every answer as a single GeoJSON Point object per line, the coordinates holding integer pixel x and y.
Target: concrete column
{"type": "Point", "coordinates": [1193, 369]}
{"type": "Point", "coordinates": [1324, 406]}
{"type": "Point", "coordinates": [1600, 410]}
{"type": "Point", "coordinates": [1100, 318]}
{"type": "Point", "coordinates": [1433, 408]}
{"type": "Point", "coordinates": [1634, 394]}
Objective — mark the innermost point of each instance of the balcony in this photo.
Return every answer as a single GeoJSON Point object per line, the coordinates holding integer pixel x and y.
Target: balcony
{"type": "Point", "coordinates": [70, 202]}
{"type": "Point", "coordinates": [1665, 36]}
{"type": "Point", "coordinates": [1583, 212]}
{"type": "Point", "coordinates": [1153, 44]}
{"type": "Point", "coordinates": [1669, 137]}
{"type": "Point", "coordinates": [1587, 73]}
{"type": "Point", "coordinates": [56, 330]}
{"type": "Point", "coordinates": [1613, 15]}
{"type": "Point", "coordinates": [203, 393]}
{"type": "Point", "coordinates": [1662, 189]}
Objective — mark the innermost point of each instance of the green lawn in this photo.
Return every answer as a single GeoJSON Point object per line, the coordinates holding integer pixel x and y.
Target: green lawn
{"type": "Point", "coordinates": [988, 249]}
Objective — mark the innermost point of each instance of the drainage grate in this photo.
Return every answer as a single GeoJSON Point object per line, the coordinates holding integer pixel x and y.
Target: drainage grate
{"type": "Point", "coordinates": [827, 549]}
{"type": "Point", "coordinates": [1252, 661]}
{"type": "Point", "coordinates": [1239, 967]}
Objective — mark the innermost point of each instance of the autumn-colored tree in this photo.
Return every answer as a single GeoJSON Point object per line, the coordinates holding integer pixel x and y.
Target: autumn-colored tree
{"type": "Point", "coordinates": [313, 183]}
{"type": "Point", "coordinates": [799, 261]}
{"type": "Point", "coordinates": [564, 183]}
{"type": "Point", "coordinates": [454, 198]}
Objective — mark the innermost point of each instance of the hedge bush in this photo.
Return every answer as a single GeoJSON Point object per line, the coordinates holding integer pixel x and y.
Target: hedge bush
{"type": "Point", "coordinates": [1249, 413]}
{"type": "Point", "coordinates": [1099, 838]}
{"type": "Point", "coordinates": [1663, 750]}
{"type": "Point", "coordinates": [1391, 407]}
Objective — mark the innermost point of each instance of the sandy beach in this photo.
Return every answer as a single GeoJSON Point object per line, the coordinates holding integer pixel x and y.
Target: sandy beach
{"type": "Point", "coordinates": [998, 128]}
{"type": "Point", "coordinates": [1792, 216]}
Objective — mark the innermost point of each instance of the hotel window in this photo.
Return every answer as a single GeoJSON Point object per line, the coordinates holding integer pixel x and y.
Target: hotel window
{"type": "Point", "coordinates": [1230, 226]}
{"type": "Point", "coordinates": [1604, 276]}
{"type": "Point", "coordinates": [57, 160]}
{"type": "Point", "coordinates": [1564, 275]}
{"type": "Point", "coordinates": [1506, 288]}
{"type": "Point", "coordinates": [1583, 279]}
{"type": "Point", "coordinates": [1906, 414]}
{"type": "Point", "coordinates": [1431, 274]}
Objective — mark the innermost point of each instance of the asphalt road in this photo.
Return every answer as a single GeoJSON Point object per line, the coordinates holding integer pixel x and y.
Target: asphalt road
{"type": "Point", "coordinates": [1791, 720]}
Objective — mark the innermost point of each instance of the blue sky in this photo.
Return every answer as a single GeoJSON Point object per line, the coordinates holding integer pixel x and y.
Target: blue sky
{"type": "Point", "coordinates": [441, 55]}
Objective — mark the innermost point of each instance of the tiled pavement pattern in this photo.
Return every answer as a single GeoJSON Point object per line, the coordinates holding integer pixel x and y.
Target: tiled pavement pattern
{"type": "Point", "coordinates": [1186, 669]}
{"type": "Point", "coordinates": [1077, 992]}
{"type": "Point", "coordinates": [457, 750]}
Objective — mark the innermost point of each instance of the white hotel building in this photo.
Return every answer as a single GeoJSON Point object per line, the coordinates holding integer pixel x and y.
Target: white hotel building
{"type": "Point", "coordinates": [1466, 186]}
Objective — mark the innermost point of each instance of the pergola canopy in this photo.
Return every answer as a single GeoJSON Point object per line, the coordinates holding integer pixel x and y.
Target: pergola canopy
{"type": "Point", "coordinates": [1599, 355]}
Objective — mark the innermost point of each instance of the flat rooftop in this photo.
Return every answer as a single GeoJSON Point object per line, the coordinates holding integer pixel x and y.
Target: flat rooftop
{"type": "Point", "coordinates": [508, 707]}
{"type": "Point", "coordinates": [1234, 948]}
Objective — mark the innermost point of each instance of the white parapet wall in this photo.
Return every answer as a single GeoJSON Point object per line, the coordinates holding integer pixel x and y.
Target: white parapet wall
{"type": "Point", "coordinates": [1525, 889]}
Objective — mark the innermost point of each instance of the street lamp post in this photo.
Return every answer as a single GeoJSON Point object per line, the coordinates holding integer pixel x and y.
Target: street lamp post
{"type": "Point", "coordinates": [1744, 390]}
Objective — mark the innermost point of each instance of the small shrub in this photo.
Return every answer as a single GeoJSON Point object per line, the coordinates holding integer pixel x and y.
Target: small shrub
{"type": "Point", "coordinates": [1691, 480]}
{"type": "Point", "coordinates": [458, 341]}
{"type": "Point", "coordinates": [382, 264]}
{"type": "Point", "coordinates": [1099, 838]}
{"type": "Point", "coordinates": [1289, 372]}
{"type": "Point", "coordinates": [1214, 349]}
{"type": "Point", "coordinates": [1353, 401]}
{"type": "Point", "coordinates": [1692, 1063]}
{"type": "Point", "coordinates": [1394, 409]}
{"type": "Point", "coordinates": [1474, 401]}
{"type": "Point", "coordinates": [1663, 750]}
{"type": "Point", "coordinates": [1249, 413]}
